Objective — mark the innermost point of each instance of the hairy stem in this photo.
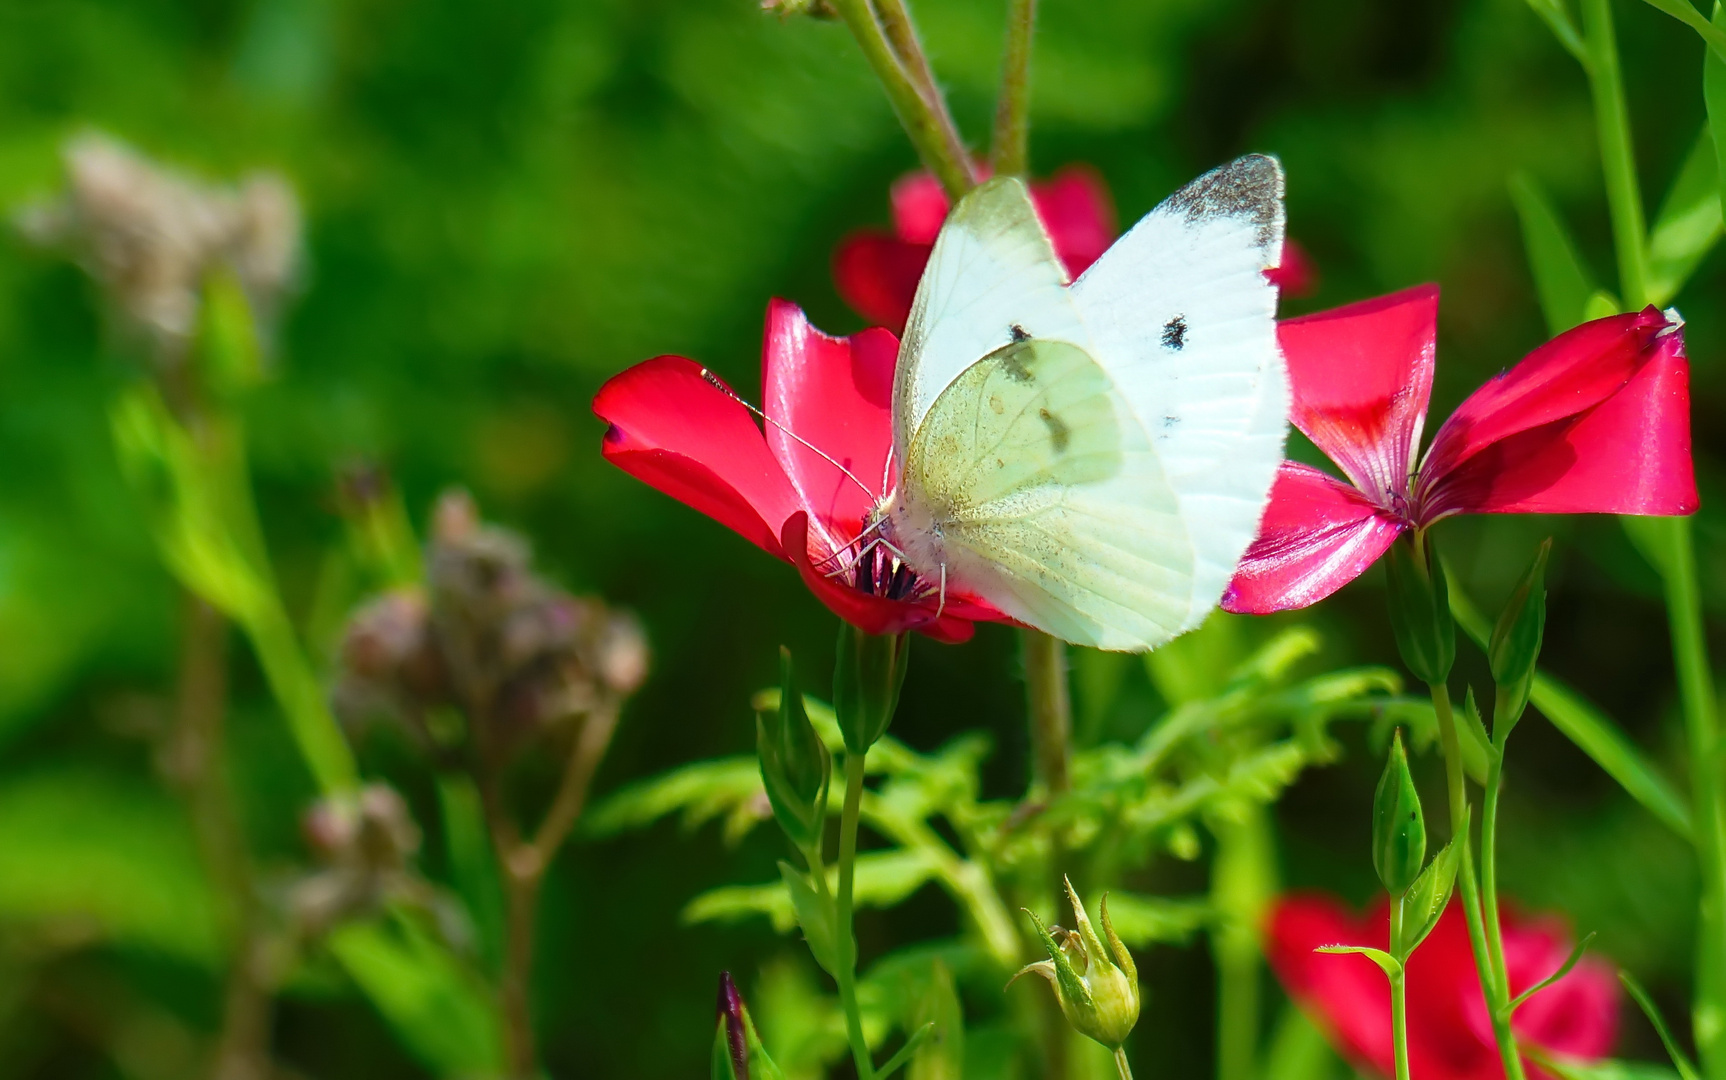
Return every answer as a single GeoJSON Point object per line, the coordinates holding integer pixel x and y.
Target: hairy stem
{"type": "Point", "coordinates": [847, 974]}
{"type": "Point", "coordinates": [1469, 886]}
{"type": "Point", "coordinates": [1051, 710]}
{"type": "Point", "coordinates": [1398, 992]}
{"type": "Point", "coordinates": [921, 110]}
{"type": "Point", "coordinates": [1009, 147]}
{"type": "Point", "coordinates": [895, 21]}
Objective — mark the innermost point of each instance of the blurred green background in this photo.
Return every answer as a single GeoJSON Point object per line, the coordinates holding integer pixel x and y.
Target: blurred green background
{"type": "Point", "coordinates": [506, 204]}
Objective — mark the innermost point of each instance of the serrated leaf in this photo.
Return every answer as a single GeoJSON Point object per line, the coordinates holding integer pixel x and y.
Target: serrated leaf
{"type": "Point", "coordinates": [1142, 921]}
{"type": "Point", "coordinates": [700, 792]}
{"type": "Point", "coordinates": [1386, 962]}
{"type": "Point", "coordinates": [1688, 225]}
{"type": "Point", "coordinates": [1561, 280]}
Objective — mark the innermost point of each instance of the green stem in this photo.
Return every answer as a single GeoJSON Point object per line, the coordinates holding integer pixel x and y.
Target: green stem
{"type": "Point", "coordinates": [1701, 724]}
{"type": "Point", "coordinates": [1008, 149]}
{"type": "Point", "coordinates": [847, 975]}
{"type": "Point", "coordinates": [1121, 1065]}
{"type": "Point", "coordinates": [1243, 881]}
{"type": "Point", "coordinates": [920, 110]}
{"type": "Point", "coordinates": [1051, 710]}
{"type": "Point", "coordinates": [1398, 993]}
{"type": "Point", "coordinates": [1506, 1039]}
{"type": "Point", "coordinates": [1617, 158]}
{"type": "Point", "coordinates": [1489, 874]}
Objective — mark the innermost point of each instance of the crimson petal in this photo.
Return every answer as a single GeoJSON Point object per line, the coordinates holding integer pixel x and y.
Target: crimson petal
{"type": "Point", "coordinates": [877, 274]}
{"type": "Point", "coordinates": [837, 395]}
{"type": "Point", "coordinates": [1360, 377]}
{"type": "Point", "coordinates": [675, 431]}
{"type": "Point", "coordinates": [1595, 421]}
{"type": "Point", "coordinates": [1318, 534]}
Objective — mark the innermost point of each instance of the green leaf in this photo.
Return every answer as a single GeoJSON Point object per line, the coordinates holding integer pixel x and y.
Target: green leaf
{"type": "Point", "coordinates": [816, 916]}
{"type": "Point", "coordinates": [883, 879]}
{"type": "Point", "coordinates": [1298, 1050]}
{"type": "Point", "coordinates": [1557, 18]}
{"type": "Point", "coordinates": [1575, 958]}
{"type": "Point", "coordinates": [472, 868]}
{"type": "Point", "coordinates": [438, 1010]}
{"type": "Point", "coordinates": [1425, 900]}
{"type": "Point", "coordinates": [1686, 1070]}
{"type": "Point", "coordinates": [1593, 732]}
{"type": "Point", "coordinates": [941, 1054]}
{"type": "Point", "coordinates": [1386, 962]}
{"type": "Point", "coordinates": [700, 792]}
{"type": "Point", "coordinates": [1476, 744]}
{"type": "Point", "coordinates": [1610, 1069]}
{"type": "Point", "coordinates": [1151, 920]}
{"type": "Point", "coordinates": [796, 767]}
{"type": "Point", "coordinates": [1686, 13]}
{"type": "Point", "coordinates": [1688, 225]}
{"type": "Point", "coordinates": [85, 846]}
{"type": "Point", "coordinates": [1560, 278]}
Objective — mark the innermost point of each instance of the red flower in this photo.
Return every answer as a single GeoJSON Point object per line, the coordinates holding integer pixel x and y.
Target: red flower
{"type": "Point", "coordinates": [877, 271]}
{"type": "Point", "coordinates": [1597, 420]}
{"type": "Point", "coordinates": [674, 426]}
{"type": "Point", "coordinates": [1449, 1030]}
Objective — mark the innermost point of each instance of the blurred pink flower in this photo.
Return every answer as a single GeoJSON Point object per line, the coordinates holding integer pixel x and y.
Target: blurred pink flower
{"type": "Point", "coordinates": [1596, 420]}
{"type": "Point", "coordinates": [1449, 1030]}
{"type": "Point", "coordinates": [674, 427]}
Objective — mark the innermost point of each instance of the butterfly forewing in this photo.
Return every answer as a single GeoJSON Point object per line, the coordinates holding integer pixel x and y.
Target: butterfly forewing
{"type": "Point", "coordinates": [1048, 499]}
{"type": "Point", "coordinates": [992, 278]}
{"type": "Point", "coordinates": [1181, 316]}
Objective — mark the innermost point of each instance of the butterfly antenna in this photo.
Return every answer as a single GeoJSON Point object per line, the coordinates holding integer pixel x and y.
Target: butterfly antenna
{"type": "Point", "coordinates": [714, 381]}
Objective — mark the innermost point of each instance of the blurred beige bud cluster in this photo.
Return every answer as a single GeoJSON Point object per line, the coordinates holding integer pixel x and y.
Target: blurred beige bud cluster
{"type": "Point", "coordinates": [151, 235]}
{"type": "Point", "coordinates": [513, 654]}
{"type": "Point", "coordinates": [364, 844]}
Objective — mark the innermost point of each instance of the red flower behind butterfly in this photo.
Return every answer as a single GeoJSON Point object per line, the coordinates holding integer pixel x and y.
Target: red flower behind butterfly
{"type": "Point", "coordinates": [1597, 420]}
{"type": "Point", "coordinates": [877, 271]}
{"type": "Point", "coordinates": [1449, 1031]}
{"type": "Point", "coordinates": [675, 427]}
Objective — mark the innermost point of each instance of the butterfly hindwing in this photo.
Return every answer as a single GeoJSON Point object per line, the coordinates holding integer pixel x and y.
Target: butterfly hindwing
{"type": "Point", "coordinates": [1050, 499]}
{"type": "Point", "coordinates": [992, 278]}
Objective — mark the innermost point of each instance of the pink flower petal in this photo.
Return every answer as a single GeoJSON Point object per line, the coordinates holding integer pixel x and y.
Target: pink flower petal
{"type": "Point", "coordinates": [1360, 378]}
{"type": "Point", "coordinates": [836, 394]}
{"type": "Point", "coordinates": [1572, 373]}
{"type": "Point", "coordinates": [1075, 207]}
{"type": "Point", "coordinates": [1628, 455]}
{"type": "Point", "coordinates": [920, 205]}
{"type": "Point", "coordinates": [1318, 534]}
{"type": "Point", "coordinates": [871, 614]}
{"type": "Point", "coordinates": [876, 274]}
{"type": "Point", "coordinates": [676, 432]}
{"type": "Point", "coordinates": [1298, 274]}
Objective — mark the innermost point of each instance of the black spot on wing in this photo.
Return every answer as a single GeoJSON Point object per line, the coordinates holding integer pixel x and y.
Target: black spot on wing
{"type": "Point", "coordinates": [1175, 333]}
{"type": "Point", "coordinates": [1018, 333]}
{"type": "Point", "coordinates": [1059, 433]}
{"type": "Point", "coordinates": [1250, 187]}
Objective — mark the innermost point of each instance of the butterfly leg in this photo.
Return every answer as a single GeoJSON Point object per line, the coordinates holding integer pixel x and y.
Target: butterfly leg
{"type": "Point", "coordinates": [942, 606]}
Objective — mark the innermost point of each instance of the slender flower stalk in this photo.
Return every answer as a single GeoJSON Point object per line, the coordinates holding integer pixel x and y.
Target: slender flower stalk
{"type": "Point", "coordinates": [1008, 149]}
{"type": "Point", "coordinates": [855, 764]}
{"type": "Point", "coordinates": [1051, 710]}
{"type": "Point", "coordinates": [1398, 997]}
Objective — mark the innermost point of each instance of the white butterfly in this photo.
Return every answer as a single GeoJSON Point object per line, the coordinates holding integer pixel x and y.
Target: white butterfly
{"type": "Point", "coordinates": [1093, 458]}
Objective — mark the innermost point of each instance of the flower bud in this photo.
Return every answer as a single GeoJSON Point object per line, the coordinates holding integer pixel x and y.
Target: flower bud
{"type": "Point", "coordinates": [737, 1050]}
{"type": "Point", "coordinates": [866, 682]}
{"type": "Point", "coordinates": [795, 765]}
{"type": "Point", "coordinates": [1420, 610]}
{"type": "Point", "coordinates": [1515, 644]}
{"type": "Point", "coordinates": [1398, 829]}
{"type": "Point", "coordinates": [1097, 984]}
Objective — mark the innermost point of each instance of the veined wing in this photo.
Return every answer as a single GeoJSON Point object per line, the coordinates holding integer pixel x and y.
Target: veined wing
{"type": "Point", "coordinates": [993, 278]}
{"type": "Point", "coordinates": [1035, 486]}
{"type": "Point", "coordinates": [1183, 320]}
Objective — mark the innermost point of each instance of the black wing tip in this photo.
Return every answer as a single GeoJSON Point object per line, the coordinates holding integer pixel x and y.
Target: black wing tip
{"type": "Point", "coordinates": [1249, 186]}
